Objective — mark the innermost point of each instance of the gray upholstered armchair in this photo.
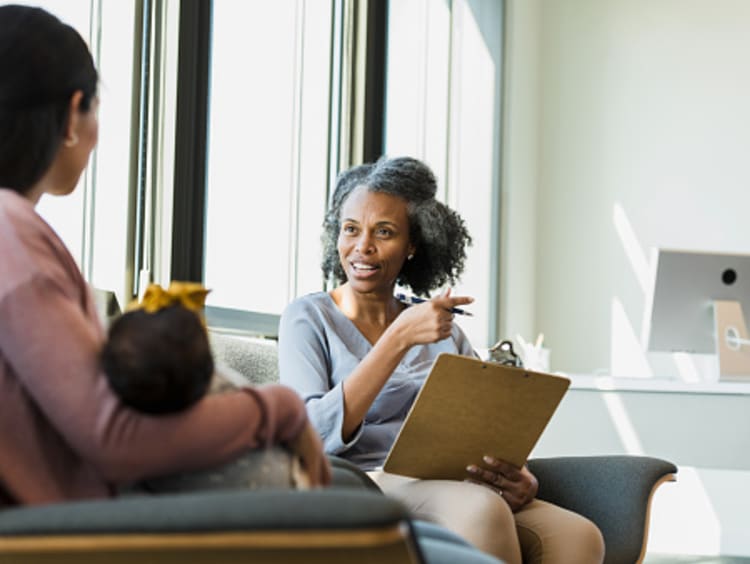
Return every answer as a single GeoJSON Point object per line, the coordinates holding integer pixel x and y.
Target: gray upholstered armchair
{"type": "Point", "coordinates": [353, 522]}
{"type": "Point", "coordinates": [333, 526]}
{"type": "Point", "coordinates": [613, 491]}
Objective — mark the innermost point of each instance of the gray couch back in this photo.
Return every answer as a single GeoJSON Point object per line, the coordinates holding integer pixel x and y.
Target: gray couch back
{"type": "Point", "coordinates": [253, 357]}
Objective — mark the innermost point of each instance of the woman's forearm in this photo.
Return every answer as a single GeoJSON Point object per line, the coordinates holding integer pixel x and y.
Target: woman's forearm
{"type": "Point", "coordinates": [365, 383]}
{"type": "Point", "coordinates": [127, 445]}
{"type": "Point", "coordinates": [54, 346]}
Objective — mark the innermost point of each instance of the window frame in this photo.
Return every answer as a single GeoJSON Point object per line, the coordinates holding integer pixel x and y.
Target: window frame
{"type": "Point", "coordinates": [356, 125]}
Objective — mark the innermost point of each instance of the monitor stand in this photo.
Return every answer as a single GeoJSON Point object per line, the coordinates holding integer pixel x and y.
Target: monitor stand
{"type": "Point", "coordinates": [732, 341]}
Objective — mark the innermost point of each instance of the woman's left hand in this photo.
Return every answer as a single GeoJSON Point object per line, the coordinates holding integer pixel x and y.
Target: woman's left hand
{"type": "Point", "coordinates": [309, 447]}
{"type": "Point", "coordinates": [518, 486]}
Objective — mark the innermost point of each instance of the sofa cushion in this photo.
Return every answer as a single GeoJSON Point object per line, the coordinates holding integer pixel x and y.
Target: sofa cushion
{"type": "Point", "coordinates": [253, 357]}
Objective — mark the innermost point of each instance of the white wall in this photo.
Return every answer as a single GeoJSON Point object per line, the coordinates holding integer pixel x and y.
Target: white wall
{"type": "Point", "coordinates": [627, 127]}
{"type": "Point", "coordinates": [644, 132]}
{"type": "Point", "coordinates": [520, 164]}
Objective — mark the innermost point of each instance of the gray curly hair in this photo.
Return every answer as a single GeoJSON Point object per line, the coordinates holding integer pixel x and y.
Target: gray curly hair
{"type": "Point", "coordinates": [437, 232]}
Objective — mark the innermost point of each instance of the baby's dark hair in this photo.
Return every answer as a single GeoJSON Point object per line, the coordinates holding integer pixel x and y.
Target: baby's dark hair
{"type": "Point", "coordinates": [158, 362]}
{"type": "Point", "coordinates": [437, 232]}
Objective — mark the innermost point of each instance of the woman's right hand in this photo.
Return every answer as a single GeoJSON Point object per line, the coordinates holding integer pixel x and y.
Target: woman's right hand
{"type": "Point", "coordinates": [309, 448]}
{"type": "Point", "coordinates": [423, 323]}
{"type": "Point", "coordinates": [432, 320]}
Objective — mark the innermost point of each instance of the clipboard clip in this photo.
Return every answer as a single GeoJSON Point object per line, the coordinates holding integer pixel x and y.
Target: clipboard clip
{"type": "Point", "coordinates": [502, 353]}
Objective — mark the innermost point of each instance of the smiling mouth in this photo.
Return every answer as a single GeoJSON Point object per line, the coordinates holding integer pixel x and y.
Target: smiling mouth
{"type": "Point", "coordinates": [363, 268]}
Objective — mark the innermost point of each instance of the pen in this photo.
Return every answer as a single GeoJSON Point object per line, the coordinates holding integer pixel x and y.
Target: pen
{"type": "Point", "coordinates": [539, 341]}
{"type": "Point", "coordinates": [411, 300]}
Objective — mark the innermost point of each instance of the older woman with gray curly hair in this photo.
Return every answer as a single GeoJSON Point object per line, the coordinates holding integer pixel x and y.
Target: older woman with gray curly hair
{"type": "Point", "coordinates": [437, 231]}
{"type": "Point", "coordinates": [359, 356]}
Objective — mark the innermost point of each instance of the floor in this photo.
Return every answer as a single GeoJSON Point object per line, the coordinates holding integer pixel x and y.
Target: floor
{"type": "Point", "coordinates": [682, 559]}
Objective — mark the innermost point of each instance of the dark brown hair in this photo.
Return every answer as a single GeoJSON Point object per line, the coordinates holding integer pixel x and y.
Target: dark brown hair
{"type": "Point", "coordinates": [42, 63]}
{"type": "Point", "coordinates": [158, 362]}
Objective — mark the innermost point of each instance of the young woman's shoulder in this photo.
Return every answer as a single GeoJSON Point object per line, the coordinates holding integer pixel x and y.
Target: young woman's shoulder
{"type": "Point", "coordinates": [19, 219]}
{"type": "Point", "coordinates": [29, 247]}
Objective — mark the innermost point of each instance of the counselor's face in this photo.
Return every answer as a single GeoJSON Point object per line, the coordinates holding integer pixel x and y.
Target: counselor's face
{"type": "Point", "coordinates": [374, 239]}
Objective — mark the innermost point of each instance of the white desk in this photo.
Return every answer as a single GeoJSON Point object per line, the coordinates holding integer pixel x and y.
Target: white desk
{"type": "Point", "coordinates": [702, 424]}
{"type": "Point", "coordinates": [608, 383]}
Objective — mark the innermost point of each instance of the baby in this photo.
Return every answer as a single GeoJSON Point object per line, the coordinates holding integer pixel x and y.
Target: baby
{"type": "Point", "coordinates": [157, 357]}
{"type": "Point", "coordinates": [158, 360]}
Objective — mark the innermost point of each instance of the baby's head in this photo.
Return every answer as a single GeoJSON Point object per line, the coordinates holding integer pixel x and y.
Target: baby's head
{"type": "Point", "coordinates": [158, 362]}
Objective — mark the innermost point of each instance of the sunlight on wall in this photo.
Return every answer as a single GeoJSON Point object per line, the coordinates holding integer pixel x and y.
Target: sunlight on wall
{"type": "Point", "coordinates": [635, 255]}
{"type": "Point", "coordinates": [627, 357]}
{"type": "Point", "coordinates": [686, 367]}
{"type": "Point", "coordinates": [683, 519]}
{"type": "Point", "coordinates": [623, 424]}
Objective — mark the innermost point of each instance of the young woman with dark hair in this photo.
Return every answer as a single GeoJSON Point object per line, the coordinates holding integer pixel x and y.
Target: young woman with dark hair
{"type": "Point", "coordinates": [63, 433]}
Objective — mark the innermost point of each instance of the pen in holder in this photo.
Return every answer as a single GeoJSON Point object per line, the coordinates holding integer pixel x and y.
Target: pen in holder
{"type": "Point", "coordinates": [534, 355]}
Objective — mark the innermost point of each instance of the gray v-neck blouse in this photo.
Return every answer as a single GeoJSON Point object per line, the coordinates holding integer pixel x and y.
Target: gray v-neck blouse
{"type": "Point", "coordinates": [319, 347]}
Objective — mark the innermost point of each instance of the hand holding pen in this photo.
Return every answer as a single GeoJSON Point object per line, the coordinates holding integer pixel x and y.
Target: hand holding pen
{"type": "Point", "coordinates": [428, 321]}
{"type": "Point", "coordinates": [412, 300]}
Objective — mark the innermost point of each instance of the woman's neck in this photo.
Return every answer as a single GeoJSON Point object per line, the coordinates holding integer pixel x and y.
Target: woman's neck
{"type": "Point", "coordinates": [372, 309]}
{"type": "Point", "coordinates": [43, 186]}
{"type": "Point", "coordinates": [34, 194]}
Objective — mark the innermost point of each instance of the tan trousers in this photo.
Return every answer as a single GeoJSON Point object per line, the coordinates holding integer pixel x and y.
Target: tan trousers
{"type": "Point", "coordinates": [540, 533]}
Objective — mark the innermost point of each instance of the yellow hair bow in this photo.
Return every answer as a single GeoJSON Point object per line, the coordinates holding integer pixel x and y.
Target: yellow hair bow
{"type": "Point", "coordinates": [190, 295]}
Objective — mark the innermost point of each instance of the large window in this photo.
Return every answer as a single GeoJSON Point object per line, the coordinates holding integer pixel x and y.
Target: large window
{"type": "Point", "coordinates": [268, 146]}
{"type": "Point", "coordinates": [443, 102]}
{"type": "Point", "coordinates": [224, 122]}
{"type": "Point", "coordinates": [93, 220]}
{"type": "Point", "coordinates": [293, 98]}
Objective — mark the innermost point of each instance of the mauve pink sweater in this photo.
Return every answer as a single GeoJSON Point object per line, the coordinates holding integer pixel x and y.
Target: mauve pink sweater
{"type": "Point", "coordinates": [63, 434]}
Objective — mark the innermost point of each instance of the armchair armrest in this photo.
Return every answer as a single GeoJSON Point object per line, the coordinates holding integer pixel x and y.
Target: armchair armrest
{"type": "Point", "coordinates": [348, 475]}
{"type": "Point", "coordinates": [230, 526]}
{"type": "Point", "coordinates": [613, 491]}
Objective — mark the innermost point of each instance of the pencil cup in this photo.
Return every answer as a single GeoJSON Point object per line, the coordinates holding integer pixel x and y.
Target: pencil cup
{"type": "Point", "coordinates": [535, 358]}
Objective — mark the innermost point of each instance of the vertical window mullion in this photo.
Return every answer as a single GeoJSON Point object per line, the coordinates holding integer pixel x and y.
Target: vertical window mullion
{"type": "Point", "coordinates": [295, 185]}
{"type": "Point", "coordinates": [375, 60]}
{"type": "Point", "coordinates": [89, 177]}
{"type": "Point", "coordinates": [191, 140]}
{"type": "Point", "coordinates": [337, 94]}
{"type": "Point", "coordinates": [139, 202]}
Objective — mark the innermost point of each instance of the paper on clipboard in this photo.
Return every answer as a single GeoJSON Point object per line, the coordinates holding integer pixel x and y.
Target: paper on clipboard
{"type": "Point", "coordinates": [468, 408]}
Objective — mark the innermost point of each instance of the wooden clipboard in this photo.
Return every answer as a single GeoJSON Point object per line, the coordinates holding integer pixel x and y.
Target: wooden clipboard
{"type": "Point", "coordinates": [468, 408]}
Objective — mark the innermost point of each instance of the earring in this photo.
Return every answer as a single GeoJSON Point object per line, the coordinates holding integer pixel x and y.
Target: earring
{"type": "Point", "coordinates": [411, 256]}
{"type": "Point", "coordinates": [71, 141]}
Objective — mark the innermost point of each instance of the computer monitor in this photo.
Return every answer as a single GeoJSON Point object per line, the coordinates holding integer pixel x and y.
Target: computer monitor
{"type": "Point", "coordinates": [686, 286]}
